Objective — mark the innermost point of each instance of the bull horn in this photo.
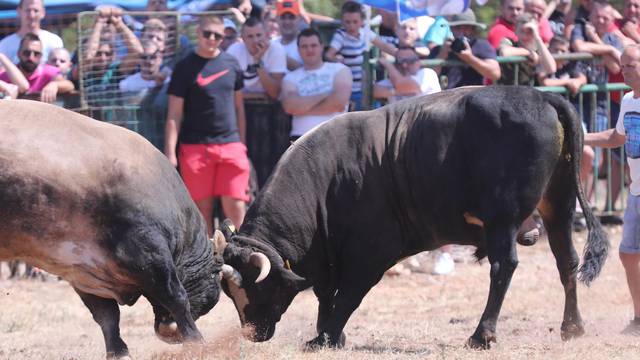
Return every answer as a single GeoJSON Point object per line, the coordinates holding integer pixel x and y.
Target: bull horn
{"type": "Point", "coordinates": [262, 262]}
{"type": "Point", "coordinates": [231, 274]}
{"type": "Point", "coordinates": [219, 242]}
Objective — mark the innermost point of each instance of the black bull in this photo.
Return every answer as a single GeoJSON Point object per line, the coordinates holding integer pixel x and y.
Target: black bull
{"type": "Point", "coordinates": [355, 195]}
{"type": "Point", "coordinates": [101, 207]}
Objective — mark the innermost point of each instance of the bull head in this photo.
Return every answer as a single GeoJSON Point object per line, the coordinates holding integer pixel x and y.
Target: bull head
{"type": "Point", "coordinates": [260, 303]}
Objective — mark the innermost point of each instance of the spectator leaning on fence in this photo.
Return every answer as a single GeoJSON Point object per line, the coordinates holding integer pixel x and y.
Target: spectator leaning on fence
{"type": "Point", "coordinates": [349, 44]}
{"type": "Point", "coordinates": [627, 132]}
{"type": "Point", "coordinates": [317, 91]}
{"type": "Point", "coordinates": [406, 78]}
{"type": "Point", "coordinates": [531, 46]}
{"type": "Point", "coordinates": [42, 78]}
{"type": "Point", "coordinates": [151, 72]}
{"type": "Point", "coordinates": [264, 62]}
{"type": "Point", "coordinates": [538, 10]}
{"type": "Point", "coordinates": [289, 20]}
{"type": "Point", "coordinates": [30, 13]}
{"type": "Point", "coordinates": [599, 38]}
{"type": "Point", "coordinates": [13, 82]}
{"type": "Point", "coordinates": [206, 116]}
{"type": "Point", "coordinates": [147, 90]}
{"type": "Point", "coordinates": [477, 54]}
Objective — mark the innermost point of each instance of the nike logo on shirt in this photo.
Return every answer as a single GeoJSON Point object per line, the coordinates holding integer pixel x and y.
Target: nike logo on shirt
{"type": "Point", "coordinates": [204, 81]}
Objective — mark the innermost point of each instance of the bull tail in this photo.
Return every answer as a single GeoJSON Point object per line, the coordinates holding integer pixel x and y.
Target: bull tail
{"type": "Point", "coordinates": [597, 246]}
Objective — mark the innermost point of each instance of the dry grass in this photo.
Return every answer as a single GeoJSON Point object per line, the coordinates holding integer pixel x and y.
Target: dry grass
{"type": "Point", "coordinates": [409, 317]}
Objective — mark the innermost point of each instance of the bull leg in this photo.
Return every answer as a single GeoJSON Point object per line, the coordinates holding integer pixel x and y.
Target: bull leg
{"type": "Point", "coordinates": [170, 294]}
{"type": "Point", "coordinates": [501, 252]}
{"type": "Point", "coordinates": [557, 214]}
{"type": "Point", "coordinates": [107, 314]}
{"type": "Point", "coordinates": [325, 306]}
{"type": "Point", "coordinates": [353, 287]}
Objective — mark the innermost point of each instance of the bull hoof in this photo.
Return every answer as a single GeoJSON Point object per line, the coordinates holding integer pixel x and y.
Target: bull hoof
{"type": "Point", "coordinates": [529, 232]}
{"type": "Point", "coordinates": [168, 332]}
{"type": "Point", "coordinates": [325, 340]}
{"type": "Point", "coordinates": [481, 342]}
{"type": "Point", "coordinates": [529, 238]}
{"type": "Point", "coordinates": [571, 331]}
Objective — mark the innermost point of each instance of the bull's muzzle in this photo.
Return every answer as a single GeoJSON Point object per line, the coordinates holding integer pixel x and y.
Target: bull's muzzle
{"type": "Point", "coordinates": [258, 333]}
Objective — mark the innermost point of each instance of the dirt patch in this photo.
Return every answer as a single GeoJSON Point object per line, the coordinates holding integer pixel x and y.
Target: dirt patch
{"type": "Point", "coordinates": [416, 316]}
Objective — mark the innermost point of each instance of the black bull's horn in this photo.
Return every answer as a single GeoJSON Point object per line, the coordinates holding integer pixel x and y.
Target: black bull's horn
{"type": "Point", "coordinates": [257, 259]}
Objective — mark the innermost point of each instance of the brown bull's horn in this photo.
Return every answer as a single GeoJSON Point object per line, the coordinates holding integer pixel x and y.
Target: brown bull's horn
{"type": "Point", "coordinates": [231, 274]}
{"type": "Point", "coordinates": [262, 262]}
{"type": "Point", "coordinates": [219, 242]}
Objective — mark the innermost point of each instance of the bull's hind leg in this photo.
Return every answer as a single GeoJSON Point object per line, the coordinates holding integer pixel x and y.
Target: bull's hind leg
{"type": "Point", "coordinates": [557, 209]}
{"type": "Point", "coordinates": [107, 314]}
{"type": "Point", "coordinates": [501, 252]}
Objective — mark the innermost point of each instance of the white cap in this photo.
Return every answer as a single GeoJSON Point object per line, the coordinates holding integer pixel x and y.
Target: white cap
{"type": "Point", "coordinates": [228, 23]}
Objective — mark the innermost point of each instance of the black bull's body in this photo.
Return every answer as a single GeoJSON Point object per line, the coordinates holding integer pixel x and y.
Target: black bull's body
{"type": "Point", "coordinates": [101, 207]}
{"type": "Point", "coordinates": [355, 195]}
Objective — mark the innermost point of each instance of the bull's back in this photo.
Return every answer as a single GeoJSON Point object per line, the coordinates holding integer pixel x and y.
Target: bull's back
{"type": "Point", "coordinates": [66, 178]}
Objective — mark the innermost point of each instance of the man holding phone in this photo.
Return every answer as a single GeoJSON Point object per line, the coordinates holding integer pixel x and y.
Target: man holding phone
{"type": "Point", "coordinates": [264, 62]}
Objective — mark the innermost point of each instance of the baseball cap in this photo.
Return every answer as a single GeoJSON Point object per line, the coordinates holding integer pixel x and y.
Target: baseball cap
{"type": "Point", "coordinates": [228, 23]}
{"type": "Point", "coordinates": [287, 6]}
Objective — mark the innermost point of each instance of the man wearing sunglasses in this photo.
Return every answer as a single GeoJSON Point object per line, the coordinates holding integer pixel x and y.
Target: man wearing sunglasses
{"type": "Point", "coordinates": [206, 116]}
{"type": "Point", "coordinates": [406, 78]}
{"type": "Point", "coordinates": [42, 78]}
{"type": "Point", "coordinates": [30, 13]}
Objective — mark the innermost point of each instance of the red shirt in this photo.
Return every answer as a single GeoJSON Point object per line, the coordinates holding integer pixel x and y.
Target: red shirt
{"type": "Point", "coordinates": [43, 75]}
{"type": "Point", "coordinates": [502, 29]}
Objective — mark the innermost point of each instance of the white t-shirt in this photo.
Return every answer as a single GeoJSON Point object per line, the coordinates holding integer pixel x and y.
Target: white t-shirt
{"type": "Point", "coordinates": [629, 124]}
{"type": "Point", "coordinates": [313, 82]}
{"type": "Point", "coordinates": [425, 77]}
{"type": "Point", "coordinates": [291, 49]}
{"type": "Point", "coordinates": [274, 61]}
{"type": "Point", "coordinates": [135, 83]}
{"type": "Point", "coordinates": [10, 45]}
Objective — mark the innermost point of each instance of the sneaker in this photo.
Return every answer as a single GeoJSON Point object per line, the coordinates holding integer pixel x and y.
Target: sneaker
{"type": "Point", "coordinates": [444, 264]}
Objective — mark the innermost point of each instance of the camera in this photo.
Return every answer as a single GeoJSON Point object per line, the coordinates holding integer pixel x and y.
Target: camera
{"type": "Point", "coordinates": [458, 44]}
{"type": "Point", "coordinates": [581, 21]}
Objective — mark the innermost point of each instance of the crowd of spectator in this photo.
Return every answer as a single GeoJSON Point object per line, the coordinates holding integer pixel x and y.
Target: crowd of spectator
{"type": "Point", "coordinates": [281, 57]}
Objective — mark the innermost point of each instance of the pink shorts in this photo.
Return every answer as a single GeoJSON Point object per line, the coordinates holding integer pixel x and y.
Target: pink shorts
{"type": "Point", "coordinates": [211, 170]}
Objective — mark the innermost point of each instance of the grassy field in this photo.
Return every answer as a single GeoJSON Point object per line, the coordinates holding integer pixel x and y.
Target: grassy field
{"type": "Point", "coordinates": [415, 316]}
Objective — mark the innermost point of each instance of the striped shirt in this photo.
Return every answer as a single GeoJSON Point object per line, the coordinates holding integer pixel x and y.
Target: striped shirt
{"type": "Point", "coordinates": [352, 50]}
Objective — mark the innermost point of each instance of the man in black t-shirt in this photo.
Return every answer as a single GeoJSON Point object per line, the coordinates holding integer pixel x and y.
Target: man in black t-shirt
{"type": "Point", "coordinates": [206, 117]}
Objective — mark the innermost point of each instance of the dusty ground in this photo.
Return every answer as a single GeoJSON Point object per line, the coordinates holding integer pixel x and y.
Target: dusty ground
{"type": "Point", "coordinates": [408, 317]}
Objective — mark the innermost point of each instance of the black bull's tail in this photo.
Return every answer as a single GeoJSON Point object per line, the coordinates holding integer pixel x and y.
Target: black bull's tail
{"type": "Point", "coordinates": [597, 247]}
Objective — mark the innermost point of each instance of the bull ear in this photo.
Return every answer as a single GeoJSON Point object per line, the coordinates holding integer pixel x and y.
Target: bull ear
{"type": "Point", "coordinates": [219, 242]}
{"type": "Point", "coordinates": [294, 280]}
